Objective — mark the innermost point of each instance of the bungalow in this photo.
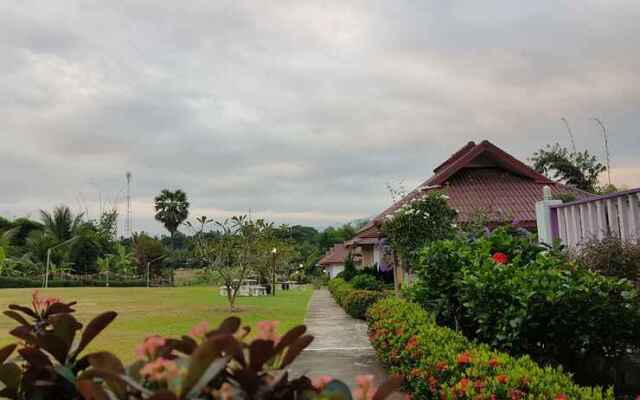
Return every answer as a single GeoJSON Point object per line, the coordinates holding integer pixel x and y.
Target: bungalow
{"type": "Point", "coordinates": [333, 261]}
{"type": "Point", "coordinates": [479, 179]}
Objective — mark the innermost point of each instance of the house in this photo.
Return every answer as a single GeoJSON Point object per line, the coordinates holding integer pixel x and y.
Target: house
{"type": "Point", "coordinates": [479, 179]}
{"type": "Point", "coordinates": [333, 261]}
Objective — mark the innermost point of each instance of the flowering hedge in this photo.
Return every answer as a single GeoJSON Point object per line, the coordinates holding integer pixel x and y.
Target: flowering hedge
{"type": "Point", "coordinates": [505, 290]}
{"type": "Point", "coordinates": [355, 302]}
{"type": "Point", "coordinates": [439, 363]}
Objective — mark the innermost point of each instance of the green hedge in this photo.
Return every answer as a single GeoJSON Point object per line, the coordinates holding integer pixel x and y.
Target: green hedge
{"type": "Point", "coordinates": [439, 363]}
{"type": "Point", "coordinates": [538, 303]}
{"type": "Point", "coordinates": [355, 302]}
{"type": "Point", "coordinates": [6, 283]}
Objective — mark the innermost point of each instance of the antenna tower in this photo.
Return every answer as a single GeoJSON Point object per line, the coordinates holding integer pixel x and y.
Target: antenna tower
{"type": "Point", "coordinates": [128, 224]}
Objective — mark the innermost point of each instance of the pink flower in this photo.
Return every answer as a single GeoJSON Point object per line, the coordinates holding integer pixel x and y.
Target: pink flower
{"type": "Point", "coordinates": [40, 304]}
{"type": "Point", "coordinates": [320, 382]}
{"type": "Point", "coordinates": [199, 330]}
{"type": "Point", "coordinates": [149, 347]}
{"type": "Point", "coordinates": [160, 370]}
{"type": "Point", "coordinates": [267, 331]}
{"type": "Point", "coordinates": [365, 390]}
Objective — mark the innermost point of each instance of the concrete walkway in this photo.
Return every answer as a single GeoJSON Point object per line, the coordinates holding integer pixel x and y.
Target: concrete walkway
{"type": "Point", "coordinates": [341, 347]}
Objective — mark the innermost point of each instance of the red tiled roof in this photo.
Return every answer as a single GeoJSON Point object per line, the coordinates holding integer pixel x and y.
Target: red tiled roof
{"type": "Point", "coordinates": [482, 178]}
{"type": "Point", "coordinates": [335, 255]}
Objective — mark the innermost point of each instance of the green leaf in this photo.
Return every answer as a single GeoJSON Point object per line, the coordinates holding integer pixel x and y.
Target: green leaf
{"type": "Point", "coordinates": [336, 390]}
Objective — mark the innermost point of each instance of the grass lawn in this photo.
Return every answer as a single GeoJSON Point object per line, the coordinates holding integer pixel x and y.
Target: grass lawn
{"type": "Point", "coordinates": [163, 311]}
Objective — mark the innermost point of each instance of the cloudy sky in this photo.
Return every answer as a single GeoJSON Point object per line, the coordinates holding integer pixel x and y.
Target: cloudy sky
{"type": "Point", "coordinates": [300, 111]}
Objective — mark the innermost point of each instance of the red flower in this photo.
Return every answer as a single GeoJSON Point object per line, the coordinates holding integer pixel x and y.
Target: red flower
{"type": "Point", "coordinates": [494, 362]}
{"type": "Point", "coordinates": [462, 386]}
{"type": "Point", "coordinates": [479, 385]}
{"type": "Point", "coordinates": [412, 343]}
{"type": "Point", "coordinates": [464, 358]}
{"type": "Point", "coordinates": [441, 365]}
{"type": "Point", "coordinates": [503, 379]}
{"type": "Point", "coordinates": [500, 258]}
{"type": "Point", "coordinates": [561, 396]}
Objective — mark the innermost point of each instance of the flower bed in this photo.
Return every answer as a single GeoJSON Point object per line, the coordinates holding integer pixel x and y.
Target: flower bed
{"type": "Point", "coordinates": [355, 302]}
{"type": "Point", "coordinates": [439, 363]}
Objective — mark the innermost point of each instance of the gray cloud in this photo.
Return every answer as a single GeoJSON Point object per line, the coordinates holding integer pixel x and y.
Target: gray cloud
{"type": "Point", "coordinates": [298, 111]}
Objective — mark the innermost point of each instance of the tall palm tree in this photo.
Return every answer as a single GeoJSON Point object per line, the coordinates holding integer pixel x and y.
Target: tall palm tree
{"type": "Point", "coordinates": [172, 209]}
{"type": "Point", "coordinates": [61, 223]}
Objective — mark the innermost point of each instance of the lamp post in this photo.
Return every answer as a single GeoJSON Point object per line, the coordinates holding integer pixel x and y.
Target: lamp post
{"type": "Point", "coordinates": [274, 254]}
{"type": "Point", "coordinates": [45, 283]}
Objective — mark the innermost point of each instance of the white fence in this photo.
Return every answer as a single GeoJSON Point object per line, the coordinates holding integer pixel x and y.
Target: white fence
{"type": "Point", "coordinates": [616, 214]}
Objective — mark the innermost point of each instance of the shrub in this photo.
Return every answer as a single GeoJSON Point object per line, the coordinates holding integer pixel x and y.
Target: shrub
{"type": "Point", "coordinates": [506, 291]}
{"type": "Point", "coordinates": [438, 362]}
{"type": "Point", "coordinates": [350, 270]}
{"type": "Point", "coordinates": [611, 256]}
{"type": "Point", "coordinates": [6, 283]}
{"type": "Point", "coordinates": [211, 364]}
{"type": "Point", "coordinates": [419, 222]}
{"type": "Point", "coordinates": [355, 302]}
{"type": "Point", "coordinates": [366, 282]}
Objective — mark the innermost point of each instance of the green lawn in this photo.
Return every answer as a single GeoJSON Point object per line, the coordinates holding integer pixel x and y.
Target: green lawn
{"type": "Point", "coordinates": [162, 311]}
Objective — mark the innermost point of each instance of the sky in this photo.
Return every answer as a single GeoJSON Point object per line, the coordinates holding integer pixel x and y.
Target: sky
{"type": "Point", "coordinates": [301, 112]}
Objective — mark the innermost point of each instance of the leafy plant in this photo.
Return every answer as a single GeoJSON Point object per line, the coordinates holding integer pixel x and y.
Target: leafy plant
{"type": "Point", "coordinates": [611, 256]}
{"type": "Point", "coordinates": [355, 302]}
{"type": "Point", "coordinates": [366, 282]}
{"type": "Point", "coordinates": [505, 290]}
{"type": "Point", "coordinates": [206, 364]}
{"type": "Point", "coordinates": [439, 363]}
{"type": "Point", "coordinates": [418, 223]}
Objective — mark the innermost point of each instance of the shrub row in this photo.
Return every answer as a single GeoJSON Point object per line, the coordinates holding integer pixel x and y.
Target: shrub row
{"type": "Point", "coordinates": [6, 283]}
{"type": "Point", "coordinates": [355, 302]}
{"type": "Point", "coordinates": [439, 363]}
{"type": "Point", "coordinates": [505, 290]}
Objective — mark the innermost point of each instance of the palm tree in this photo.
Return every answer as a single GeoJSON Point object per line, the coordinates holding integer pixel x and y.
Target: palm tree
{"type": "Point", "coordinates": [61, 224]}
{"type": "Point", "coordinates": [172, 209]}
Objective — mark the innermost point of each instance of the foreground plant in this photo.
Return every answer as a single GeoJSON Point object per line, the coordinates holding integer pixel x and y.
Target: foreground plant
{"type": "Point", "coordinates": [206, 364]}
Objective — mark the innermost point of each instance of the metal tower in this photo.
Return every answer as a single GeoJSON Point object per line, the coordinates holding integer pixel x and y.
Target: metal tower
{"type": "Point", "coordinates": [128, 224]}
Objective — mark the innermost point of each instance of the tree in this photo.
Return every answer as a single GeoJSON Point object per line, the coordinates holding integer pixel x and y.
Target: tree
{"type": "Point", "coordinates": [418, 223]}
{"type": "Point", "coordinates": [579, 169]}
{"type": "Point", "coordinates": [61, 223]}
{"type": "Point", "coordinates": [172, 209]}
{"type": "Point", "coordinates": [235, 253]}
{"type": "Point", "coordinates": [147, 252]}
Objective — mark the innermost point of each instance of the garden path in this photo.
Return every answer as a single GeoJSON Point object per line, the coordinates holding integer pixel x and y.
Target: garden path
{"type": "Point", "coordinates": [341, 347]}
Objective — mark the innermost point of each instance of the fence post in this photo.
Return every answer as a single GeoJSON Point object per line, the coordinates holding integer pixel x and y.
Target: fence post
{"type": "Point", "coordinates": [544, 218]}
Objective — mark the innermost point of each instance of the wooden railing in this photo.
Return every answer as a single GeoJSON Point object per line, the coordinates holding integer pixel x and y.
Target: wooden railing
{"type": "Point", "coordinates": [616, 214]}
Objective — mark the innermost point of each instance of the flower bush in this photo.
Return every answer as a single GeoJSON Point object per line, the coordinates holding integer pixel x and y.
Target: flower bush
{"type": "Point", "coordinates": [207, 364]}
{"type": "Point", "coordinates": [418, 222]}
{"type": "Point", "coordinates": [355, 302]}
{"type": "Point", "coordinates": [505, 290]}
{"type": "Point", "coordinates": [439, 363]}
